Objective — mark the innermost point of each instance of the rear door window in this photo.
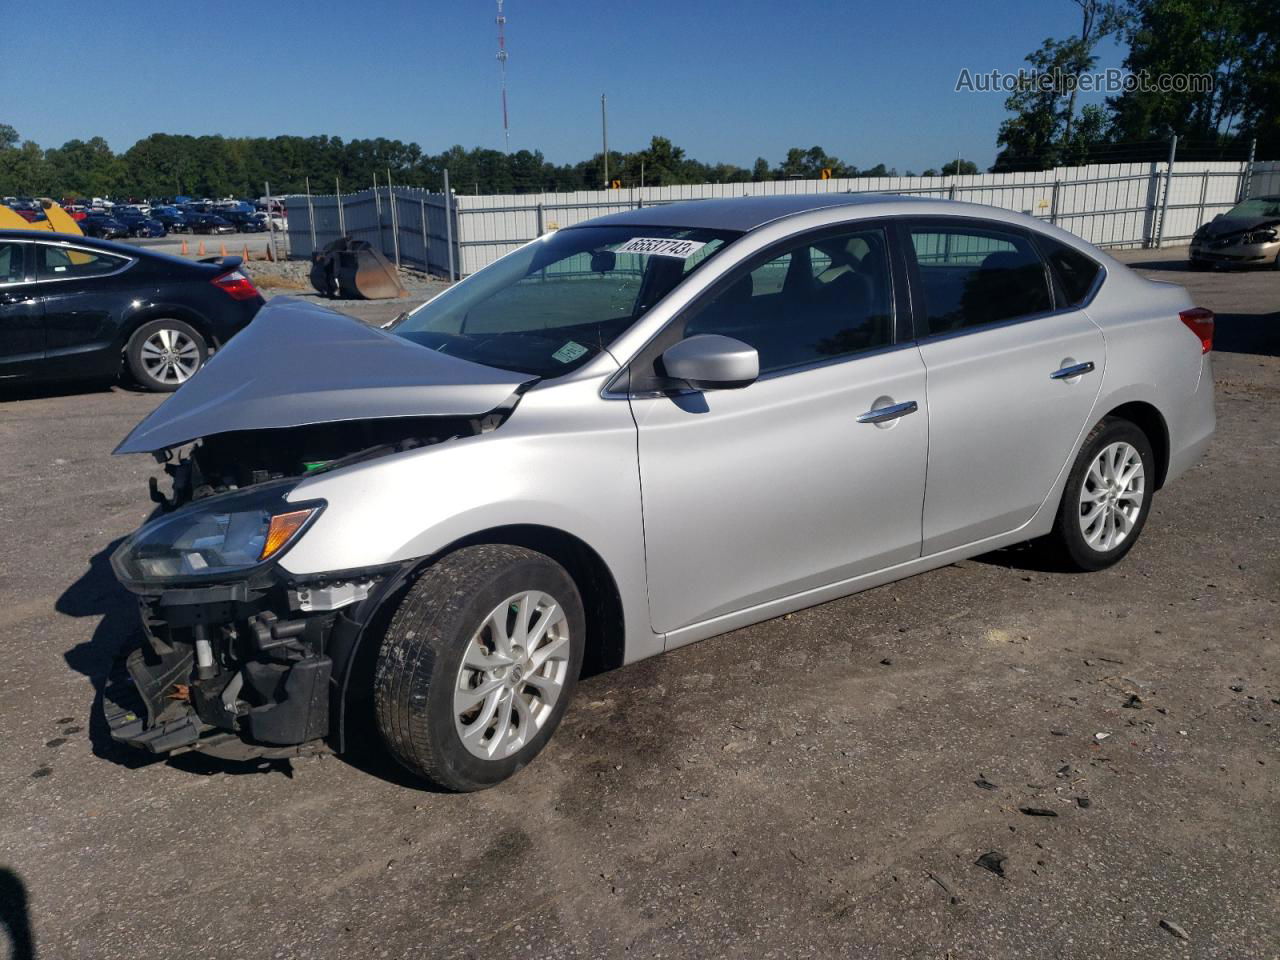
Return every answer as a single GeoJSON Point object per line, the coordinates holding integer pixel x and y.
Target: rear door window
{"type": "Point", "coordinates": [974, 276]}
{"type": "Point", "coordinates": [61, 263]}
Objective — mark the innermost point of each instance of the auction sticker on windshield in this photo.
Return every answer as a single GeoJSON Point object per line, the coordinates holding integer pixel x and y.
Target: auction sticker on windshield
{"type": "Point", "coordinates": [660, 247]}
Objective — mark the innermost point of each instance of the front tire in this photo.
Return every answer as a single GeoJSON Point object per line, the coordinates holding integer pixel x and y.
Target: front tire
{"type": "Point", "coordinates": [479, 664]}
{"type": "Point", "coordinates": [1107, 497]}
{"type": "Point", "coordinates": [164, 354]}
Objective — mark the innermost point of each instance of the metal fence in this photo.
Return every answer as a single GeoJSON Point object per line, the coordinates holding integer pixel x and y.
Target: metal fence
{"type": "Point", "coordinates": [1117, 205]}
{"type": "Point", "coordinates": [409, 225]}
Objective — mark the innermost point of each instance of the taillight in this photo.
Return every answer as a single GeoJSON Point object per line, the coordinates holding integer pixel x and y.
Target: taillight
{"type": "Point", "coordinates": [1199, 321]}
{"type": "Point", "coordinates": [239, 287]}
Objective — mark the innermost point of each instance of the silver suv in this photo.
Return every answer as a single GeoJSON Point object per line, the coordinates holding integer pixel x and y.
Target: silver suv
{"type": "Point", "coordinates": [623, 437]}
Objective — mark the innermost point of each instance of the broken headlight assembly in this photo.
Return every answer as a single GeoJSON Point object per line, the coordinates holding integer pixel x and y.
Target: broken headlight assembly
{"type": "Point", "coordinates": [212, 538]}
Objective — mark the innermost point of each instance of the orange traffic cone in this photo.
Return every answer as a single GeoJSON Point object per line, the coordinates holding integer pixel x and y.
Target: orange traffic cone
{"type": "Point", "coordinates": [224, 250]}
{"type": "Point", "coordinates": [184, 247]}
{"type": "Point", "coordinates": [200, 249]}
{"type": "Point", "coordinates": [245, 257]}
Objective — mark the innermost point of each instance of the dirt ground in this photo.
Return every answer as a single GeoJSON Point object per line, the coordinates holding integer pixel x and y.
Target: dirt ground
{"type": "Point", "coordinates": [820, 785]}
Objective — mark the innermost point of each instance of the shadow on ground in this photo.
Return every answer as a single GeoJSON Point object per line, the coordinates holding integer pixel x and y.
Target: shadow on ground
{"type": "Point", "coordinates": [15, 915]}
{"type": "Point", "coordinates": [61, 388]}
{"type": "Point", "coordinates": [1255, 333]}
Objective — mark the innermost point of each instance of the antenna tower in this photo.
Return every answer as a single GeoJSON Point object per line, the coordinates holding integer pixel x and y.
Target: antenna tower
{"type": "Point", "coordinates": [502, 59]}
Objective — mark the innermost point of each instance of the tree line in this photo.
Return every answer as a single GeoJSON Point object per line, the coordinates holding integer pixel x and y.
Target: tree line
{"type": "Point", "coordinates": [1236, 43]}
{"type": "Point", "coordinates": [167, 165]}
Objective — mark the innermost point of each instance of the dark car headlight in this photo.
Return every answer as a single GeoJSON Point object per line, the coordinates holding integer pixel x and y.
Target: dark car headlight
{"type": "Point", "coordinates": [1260, 236]}
{"type": "Point", "coordinates": [228, 534]}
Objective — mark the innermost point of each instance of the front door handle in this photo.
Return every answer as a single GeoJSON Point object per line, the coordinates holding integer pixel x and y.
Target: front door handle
{"type": "Point", "coordinates": [1075, 370]}
{"type": "Point", "coordinates": [885, 414]}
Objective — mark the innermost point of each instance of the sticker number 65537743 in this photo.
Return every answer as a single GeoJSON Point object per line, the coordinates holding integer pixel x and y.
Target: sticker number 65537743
{"type": "Point", "coordinates": [661, 247]}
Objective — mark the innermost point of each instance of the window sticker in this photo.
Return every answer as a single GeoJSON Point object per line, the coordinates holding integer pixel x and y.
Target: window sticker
{"type": "Point", "coordinates": [570, 352]}
{"type": "Point", "coordinates": [660, 247]}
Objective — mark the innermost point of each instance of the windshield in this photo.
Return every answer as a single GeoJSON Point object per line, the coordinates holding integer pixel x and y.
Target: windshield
{"type": "Point", "coordinates": [552, 305]}
{"type": "Point", "coordinates": [1257, 207]}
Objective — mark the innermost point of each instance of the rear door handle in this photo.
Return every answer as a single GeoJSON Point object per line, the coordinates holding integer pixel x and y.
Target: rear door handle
{"type": "Point", "coordinates": [1075, 370]}
{"type": "Point", "coordinates": [884, 414]}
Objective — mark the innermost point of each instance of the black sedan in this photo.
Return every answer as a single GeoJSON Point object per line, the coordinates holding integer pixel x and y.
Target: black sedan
{"type": "Point", "coordinates": [174, 220]}
{"type": "Point", "coordinates": [140, 225]}
{"type": "Point", "coordinates": [244, 222]}
{"type": "Point", "coordinates": [103, 227]}
{"type": "Point", "coordinates": [208, 223]}
{"type": "Point", "coordinates": [73, 307]}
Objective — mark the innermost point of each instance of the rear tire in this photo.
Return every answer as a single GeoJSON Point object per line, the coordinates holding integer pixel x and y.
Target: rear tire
{"type": "Point", "coordinates": [164, 354]}
{"type": "Point", "coordinates": [1107, 497]}
{"type": "Point", "coordinates": [459, 700]}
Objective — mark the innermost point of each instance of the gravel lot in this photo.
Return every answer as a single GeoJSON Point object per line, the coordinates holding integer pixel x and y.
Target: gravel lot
{"type": "Point", "coordinates": [818, 785]}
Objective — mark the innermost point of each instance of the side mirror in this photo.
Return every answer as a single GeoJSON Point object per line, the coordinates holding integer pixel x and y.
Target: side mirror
{"type": "Point", "coordinates": [603, 261]}
{"type": "Point", "coordinates": [710, 361]}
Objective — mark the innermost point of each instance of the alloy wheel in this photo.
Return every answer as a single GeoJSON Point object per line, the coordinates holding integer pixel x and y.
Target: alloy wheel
{"type": "Point", "coordinates": [1111, 496]}
{"type": "Point", "coordinates": [170, 356]}
{"type": "Point", "coordinates": [513, 672]}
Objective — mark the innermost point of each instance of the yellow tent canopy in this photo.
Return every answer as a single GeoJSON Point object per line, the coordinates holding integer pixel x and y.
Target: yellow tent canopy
{"type": "Point", "coordinates": [56, 219]}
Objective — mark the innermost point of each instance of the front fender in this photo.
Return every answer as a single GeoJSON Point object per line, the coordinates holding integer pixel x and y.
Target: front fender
{"type": "Point", "coordinates": [583, 482]}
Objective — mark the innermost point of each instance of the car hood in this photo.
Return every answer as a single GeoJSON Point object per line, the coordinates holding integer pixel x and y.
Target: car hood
{"type": "Point", "coordinates": [299, 363]}
{"type": "Point", "coordinates": [1226, 226]}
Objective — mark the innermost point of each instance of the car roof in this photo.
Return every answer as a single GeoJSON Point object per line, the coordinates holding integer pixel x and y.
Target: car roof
{"type": "Point", "coordinates": [747, 213]}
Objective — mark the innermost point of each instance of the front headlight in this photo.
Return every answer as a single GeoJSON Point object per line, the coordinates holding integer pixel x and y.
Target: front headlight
{"type": "Point", "coordinates": [1261, 236]}
{"type": "Point", "coordinates": [226, 534]}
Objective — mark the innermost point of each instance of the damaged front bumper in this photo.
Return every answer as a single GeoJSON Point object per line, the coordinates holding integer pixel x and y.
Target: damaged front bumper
{"type": "Point", "coordinates": [241, 670]}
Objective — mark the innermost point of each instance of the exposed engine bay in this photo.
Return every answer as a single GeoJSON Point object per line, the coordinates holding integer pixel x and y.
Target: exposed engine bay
{"type": "Point", "coordinates": [233, 461]}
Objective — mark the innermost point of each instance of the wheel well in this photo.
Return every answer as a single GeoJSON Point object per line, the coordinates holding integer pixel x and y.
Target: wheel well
{"type": "Point", "coordinates": [606, 632]}
{"type": "Point", "coordinates": [1148, 419]}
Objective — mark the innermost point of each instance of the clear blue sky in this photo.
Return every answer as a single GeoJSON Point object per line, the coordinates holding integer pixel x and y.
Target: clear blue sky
{"type": "Point", "coordinates": [869, 82]}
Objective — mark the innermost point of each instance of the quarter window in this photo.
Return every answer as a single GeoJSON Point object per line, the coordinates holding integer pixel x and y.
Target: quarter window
{"type": "Point", "coordinates": [972, 277]}
{"type": "Point", "coordinates": [825, 298]}
{"type": "Point", "coordinates": [58, 263]}
{"type": "Point", "coordinates": [1076, 272]}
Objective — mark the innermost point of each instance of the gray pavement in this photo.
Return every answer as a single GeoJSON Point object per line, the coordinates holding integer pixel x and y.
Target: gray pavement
{"type": "Point", "coordinates": [801, 788]}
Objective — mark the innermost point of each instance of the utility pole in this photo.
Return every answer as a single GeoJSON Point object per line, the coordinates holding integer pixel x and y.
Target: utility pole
{"type": "Point", "coordinates": [604, 136]}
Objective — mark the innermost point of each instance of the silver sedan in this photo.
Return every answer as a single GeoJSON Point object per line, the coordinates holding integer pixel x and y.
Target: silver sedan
{"type": "Point", "coordinates": [625, 436]}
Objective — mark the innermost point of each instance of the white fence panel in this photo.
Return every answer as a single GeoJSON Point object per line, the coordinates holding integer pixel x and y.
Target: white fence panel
{"type": "Point", "coordinates": [1119, 204]}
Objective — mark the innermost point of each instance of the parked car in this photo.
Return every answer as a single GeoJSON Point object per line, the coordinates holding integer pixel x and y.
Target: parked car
{"type": "Point", "coordinates": [138, 224]}
{"type": "Point", "coordinates": [103, 226]}
{"type": "Point", "coordinates": [173, 219]}
{"type": "Point", "coordinates": [74, 307]}
{"type": "Point", "coordinates": [1246, 235]}
{"type": "Point", "coordinates": [272, 221]}
{"type": "Point", "coordinates": [209, 223]}
{"type": "Point", "coordinates": [625, 436]}
{"type": "Point", "coordinates": [243, 222]}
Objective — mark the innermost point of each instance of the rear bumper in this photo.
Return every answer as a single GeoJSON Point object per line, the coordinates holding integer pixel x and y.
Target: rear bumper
{"type": "Point", "coordinates": [1196, 428]}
